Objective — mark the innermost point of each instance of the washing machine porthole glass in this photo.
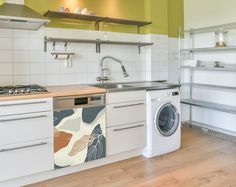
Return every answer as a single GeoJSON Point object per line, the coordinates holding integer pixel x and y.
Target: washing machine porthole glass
{"type": "Point", "coordinates": [167, 120]}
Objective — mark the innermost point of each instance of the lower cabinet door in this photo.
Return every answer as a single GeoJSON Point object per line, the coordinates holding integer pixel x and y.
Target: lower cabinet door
{"type": "Point", "coordinates": [79, 136]}
{"type": "Point", "coordinates": [126, 137]}
{"type": "Point", "coordinates": [18, 160]}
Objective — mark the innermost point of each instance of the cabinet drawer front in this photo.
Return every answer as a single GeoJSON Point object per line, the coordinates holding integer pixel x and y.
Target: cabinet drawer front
{"type": "Point", "coordinates": [122, 97]}
{"type": "Point", "coordinates": [125, 113]}
{"type": "Point", "coordinates": [27, 127]}
{"type": "Point", "coordinates": [125, 138]}
{"type": "Point", "coordinates": [19, 160]}
{"type": "Point", "coordinates": [25, 106]}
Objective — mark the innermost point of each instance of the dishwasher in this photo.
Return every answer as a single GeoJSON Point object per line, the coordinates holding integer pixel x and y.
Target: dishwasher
{"type": "Point", "coordinates": [79, 129]}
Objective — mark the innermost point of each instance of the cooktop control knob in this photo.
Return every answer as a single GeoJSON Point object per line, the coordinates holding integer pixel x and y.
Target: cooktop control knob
{"type": "Point", "coordinates": [28, 90]}
{"type": "Point", "coordinates": [16, 91]}
{"type": "Point", "coordinates": [10, 91]}
{"type": "Point", "coordinates": [22, 90]}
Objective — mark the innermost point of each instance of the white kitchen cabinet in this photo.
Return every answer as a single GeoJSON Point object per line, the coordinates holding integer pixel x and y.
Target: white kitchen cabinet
{"type": "Point", "coordinates": [123, 97]}
{"type": "Point", "coordinates": [25, 106]}
{"type": "Point", "coordinates": [126, 137]}
{"type": "Point", "coordinates": [126, 121]}
{"type": "Point", "coordinates": [26, 137]}
{"type": "Point", "coordinates": [17, 160]}
{"type": "Point", "coordinates": [25, 127]}
{"type": "Point", "coordinates": [125, 113]}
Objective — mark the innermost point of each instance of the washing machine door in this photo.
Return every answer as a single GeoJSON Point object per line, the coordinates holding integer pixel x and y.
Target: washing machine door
{"type": "Point", "coordinates": [167, 119]}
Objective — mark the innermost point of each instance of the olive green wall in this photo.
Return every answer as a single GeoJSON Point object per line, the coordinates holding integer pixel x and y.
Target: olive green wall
{"type": "Point", "coordinates": [113, 8]}
{"type": "Point", "coordinates": [166, 15]}
{"type": "Point", "coordinates": [157, 12]}
{"type": "Point", "coordinates": [175, 17]}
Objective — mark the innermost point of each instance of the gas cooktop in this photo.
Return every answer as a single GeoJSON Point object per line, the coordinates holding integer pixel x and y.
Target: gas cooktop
{"type": "Point", "coordinates": [22, 90]}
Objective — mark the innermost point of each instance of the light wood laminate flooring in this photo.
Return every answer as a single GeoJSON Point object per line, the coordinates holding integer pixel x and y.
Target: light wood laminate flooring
{"type": "Point", "coordinates": [203, 161]}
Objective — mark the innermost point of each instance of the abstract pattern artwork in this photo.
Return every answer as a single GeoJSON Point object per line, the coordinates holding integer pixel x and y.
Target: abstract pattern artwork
{"type": "Point", "coordinates": [79, 136]}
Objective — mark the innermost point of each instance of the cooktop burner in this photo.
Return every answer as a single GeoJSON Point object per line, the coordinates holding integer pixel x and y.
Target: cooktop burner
{"type": "Point", "coordinates": [22, 90]}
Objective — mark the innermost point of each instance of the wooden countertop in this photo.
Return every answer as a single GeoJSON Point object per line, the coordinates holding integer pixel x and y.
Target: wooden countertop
{"type": "Point", "coordinates": [58, 91]}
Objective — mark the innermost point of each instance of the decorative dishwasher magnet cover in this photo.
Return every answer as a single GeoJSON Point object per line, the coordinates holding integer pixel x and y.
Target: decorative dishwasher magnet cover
{"type": "Point", "coordinates": [79, 136]}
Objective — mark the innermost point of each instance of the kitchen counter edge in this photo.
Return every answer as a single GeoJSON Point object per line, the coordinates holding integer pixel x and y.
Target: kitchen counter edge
{"type": "Point", "coordinates": [58, 91]}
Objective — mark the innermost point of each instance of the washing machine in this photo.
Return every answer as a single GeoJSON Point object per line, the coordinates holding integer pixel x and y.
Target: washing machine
{"type": "Point", "coordinates": [163, 122]}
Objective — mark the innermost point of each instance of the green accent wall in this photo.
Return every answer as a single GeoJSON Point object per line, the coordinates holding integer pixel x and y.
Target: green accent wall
{"type": "Point", "coordinates": [175, 17]}
{"type": "Point", "coordinates": [157, 12]}
{"type": "Point", "coordinates": [166, 15]}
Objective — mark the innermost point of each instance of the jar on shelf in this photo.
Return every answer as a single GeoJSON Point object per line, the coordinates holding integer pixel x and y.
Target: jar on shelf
{"type": "Point", "coordinates": [220, 37]}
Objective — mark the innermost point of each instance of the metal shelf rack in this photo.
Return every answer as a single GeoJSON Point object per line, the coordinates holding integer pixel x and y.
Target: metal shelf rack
{"type": "Point", "coordinates": [209, 105]}
{"type": "Point", "coordinates": [208, 49]}
{"type": "Point", "coordinates": [97, 42]}
{"type": "Point", "coordinates": [222, 133]}
{"type": "Point", "coordinates": [212, 28]}
{"type": "Point", "coordinates": [192, 84]}
{"type": "Point", "coordinates": [209, 86]}
{"type": "Point", "coordinates": [208, 68]}
{"type": "Point", "coordinates": [96, 19]}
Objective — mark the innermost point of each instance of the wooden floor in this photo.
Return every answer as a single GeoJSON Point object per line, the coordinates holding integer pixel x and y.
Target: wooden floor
{"type": "Point", "coordinates": [203, 161]}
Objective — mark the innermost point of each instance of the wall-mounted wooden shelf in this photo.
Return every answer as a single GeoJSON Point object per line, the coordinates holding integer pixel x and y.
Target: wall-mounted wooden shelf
{"type": "Point", "coordinates": [96, 19]}
{"type": "Point", "coordinates": [97, 42]}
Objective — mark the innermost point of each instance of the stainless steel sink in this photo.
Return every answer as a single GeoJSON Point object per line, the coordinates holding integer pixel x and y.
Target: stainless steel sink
{"type": "Point", "coordinates": [119, 87]}
{"type": "Point", "coordinates": [113, 86]}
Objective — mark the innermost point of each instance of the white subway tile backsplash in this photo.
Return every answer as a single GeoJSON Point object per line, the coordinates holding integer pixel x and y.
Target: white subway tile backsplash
{"type": "Point", "coordinates": [81, 34]}
{"type": "Point", "coordinates": [80, 79]}
{"type": "Point", "coordinates": [21, 44]}
{"type": "Point", "coordinates": [5, 56]}
{"type": "Point", "coordinates": [21, 33]}
{"type": "Point", "coordinates": [38, 79]}
{"type": "Point", "coordinates": [93, 68]}
{"type": "Point", "coordinates": [66, 70]}
{"type": "Point", "coordinates": [81, 67]}
{"type": "Point", "coordinates": [5, 43]}
{"type": "Point", "coordinates": [53, 79]}
{"type": "Point", "coordinates": [94, 57]}
{"type": "Point", "coordinates": [6, 80]}
{"type": "Point", "coordinates": [92, 78]}
{"type": "Point", "coordinates": [38, 68]}
{"type": "Point", "coordinates": [52, 32]}
{"type": "Point", "coordinates": [37, 56]}
{"type": "Point", "coordinates": [67, 79]}
{"type": "Point", "coordinates": [67, 33]}
{"type": "Point", "coordinates": [38, 34]}
{"type": "Point", "coordinates": [53, 68]}
{"type": "Point", "coordinates": [6, 68]}
{"type": "Point", "coordinates": [6, 33]}
{"type": "Point", "coordinates": [36, 45]}
{"type": "Point", "coordinates": [21, 68]}
{"type": "Point", "coordinates": [21, 80]}
{"type": "Point", "coordinates": [23, 60]}
{"type": "Point", "coordinates": [21, 56]}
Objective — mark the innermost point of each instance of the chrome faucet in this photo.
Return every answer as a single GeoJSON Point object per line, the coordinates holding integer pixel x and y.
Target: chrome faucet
{"type": "Point", "coordinates": [103, 78]}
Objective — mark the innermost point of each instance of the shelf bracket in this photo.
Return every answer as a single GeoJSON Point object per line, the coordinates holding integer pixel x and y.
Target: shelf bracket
{"type": "Point", "coordinates": [54, 46]}
{"type": "Point", "coordinates": [65, 46]}
{"type": "Point", "coordinates": [45, 44]}
{"type": "Point", "coordinates": [97, 25]}
{"type": "Point", "coordinates": [138, 29]}
{"type": "Point", "coordinates": [98, 48]}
